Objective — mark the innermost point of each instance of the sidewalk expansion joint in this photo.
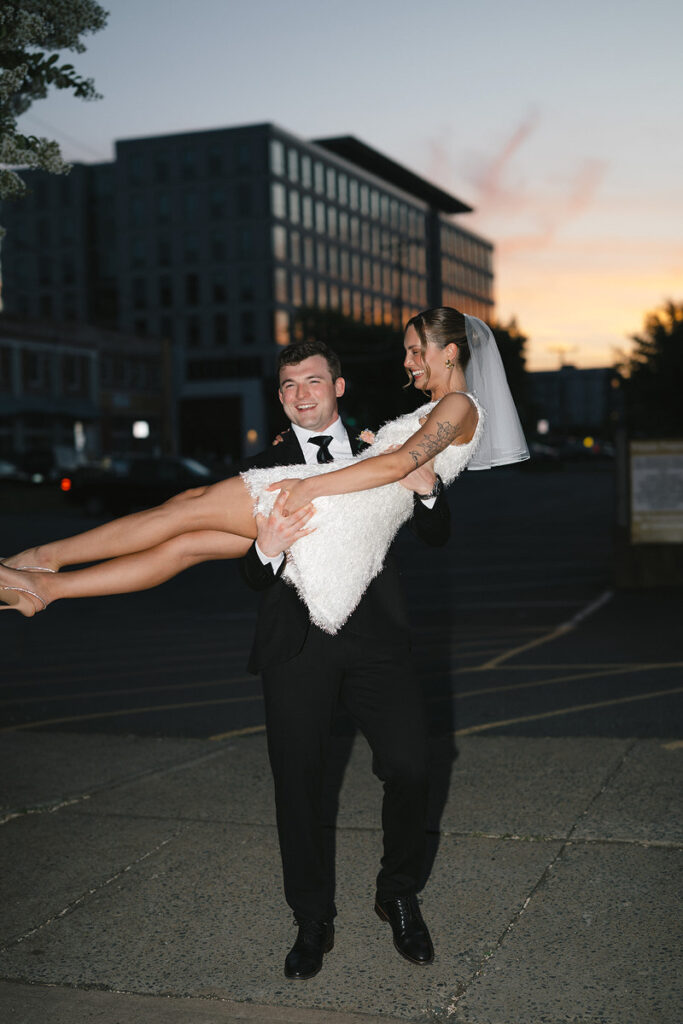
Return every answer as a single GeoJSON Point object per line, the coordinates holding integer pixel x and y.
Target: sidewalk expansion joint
{"type": "Point", "coordinates": [67, 801]}
{"type": "Point", "coordinates": [516, 917]}
{"type": "Point", "coordinates": [606, 782]}
{"type": "Point", "coordinates": [539, 884]}
{"type": "Point", "coordinates": [89, 893]}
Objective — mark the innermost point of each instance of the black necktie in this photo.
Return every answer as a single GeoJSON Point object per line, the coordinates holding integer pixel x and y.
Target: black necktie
{"type": "Point", "coordinates": [323, 441]}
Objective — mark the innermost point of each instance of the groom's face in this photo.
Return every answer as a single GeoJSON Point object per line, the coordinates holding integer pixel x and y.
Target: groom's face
{"type": "Point", "coordinates": [309, 395]}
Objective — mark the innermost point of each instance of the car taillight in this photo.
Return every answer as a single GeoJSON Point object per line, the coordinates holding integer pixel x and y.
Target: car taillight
{"type": "Point", "coordinates": [65, 484]}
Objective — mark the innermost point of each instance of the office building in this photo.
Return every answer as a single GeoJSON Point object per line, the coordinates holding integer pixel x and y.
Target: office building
{"type": "Point", "coordinates": [213, 240]}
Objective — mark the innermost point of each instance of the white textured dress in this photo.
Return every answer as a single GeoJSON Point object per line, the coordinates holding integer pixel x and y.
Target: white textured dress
{"type": "Point", "coordinates": [332, 567]}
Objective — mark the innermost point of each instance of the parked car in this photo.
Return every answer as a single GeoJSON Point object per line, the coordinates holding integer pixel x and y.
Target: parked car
{"type": "Point", "coordinates": [10, 472]}
{"type": "Point", "coordinates": [125, 483]}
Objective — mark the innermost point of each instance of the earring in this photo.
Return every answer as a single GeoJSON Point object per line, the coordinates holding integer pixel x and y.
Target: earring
{"type": "Point", "coordinates": [449, 364]}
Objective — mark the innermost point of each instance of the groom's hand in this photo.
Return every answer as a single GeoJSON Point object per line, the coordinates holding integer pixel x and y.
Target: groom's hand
{"type": "Point", "coordinates": [421, 480]}
{"type": "Point", "coordinates": [277, 532]}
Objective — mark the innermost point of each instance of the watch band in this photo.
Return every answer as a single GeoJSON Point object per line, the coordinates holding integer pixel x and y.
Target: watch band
{"type": "Point", "coordinates": [435, 491]}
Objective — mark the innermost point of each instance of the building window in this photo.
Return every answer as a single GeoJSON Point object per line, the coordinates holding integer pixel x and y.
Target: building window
{"type": "Point", "coordinates": [281, 327]}
{"type": "Point", "coordinates": [192, 289]}
{"type": "Point", "coordinates": [217, 202]}
{"type": "Point", "coordinates": [322, 295]}
{"type": "Point", "coordinates": [215, 162]}
{"type": "Point", "coordinates": [280, 289]}
{"type": "Point", "coordinates": [219, 248]}
{"type": "Point", "coordinates": [307, 212]}
{"type": "Point", "coordinates": [164, 251]}
{"type": "Point", "coordinates": [220, 290]}
{"type": "Point", "coordinates": [139, 292]}
{"type": "Point", "coordinates": [294, 247]}
{"type": "Point", "coordinates": [190, 205]}
{"type": "Point", "coordinates": [163, 207]}
{"type": "Point", "coordinates": [293, 165]}
{"type": "Point", "coordinates": [306, 178]}
{"type": "Point", "coordinates": [243, 156]}
{"type": "Point", "coordinates": [192, 331]}
{"type": "Point", "coordinates": [344, 227]}
{"type": "Point", "coordinates": [137, 251]}
{"type": "Point", "coordinates": [296, 289]}
{"type": "Point", "coordinates": [46, 306]}
{"type": "Point", "coordinates": [277, 157]}
{"type": "Point", "coordinates": [320, 220]}
{"type": "Point", "coordinates": [191, 247]}
{"type": "Point", "coordinates": [246, 287]}
{"type": "Point", "coordinates": [308, 252]}
{"type": "Point", "coordinates": [333, 254]}
{"type": "Point", "coordinates": [279, 242]}
{"type": "Point", "coordinates": [309, 285]}
{"type": "Point", "coordinates": [188, 164]}
{"type": "Point", "coordinates": [334, 296]}
{"type": "Point", "coordinates": [136, 211]}
{"type": "Point", "coordinates": [332, 221]}
{"type": "Point", "coordinates": [220, 329]}
{"type": "Point", "coordinates": [342, 183]}
{"type": "Point", "coordinates": [245, 243]}
{"type": "Point", "coordinates": [294, 206]}
{"type": "Point", "coordinates": [247, 327]}
{"type": "Point", "coordinates": [319, 177]}
{"type": "Point", "coordinates": [278, 199]}
{"type": "Point", "coordinates": [244, 199]}
{"type": "Point", "coordinates": [331, 183]}
{"type": "Point", "coordinates": [321, 257]}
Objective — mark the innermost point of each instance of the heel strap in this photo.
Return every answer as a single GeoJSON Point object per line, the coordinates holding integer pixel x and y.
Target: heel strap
{"type": "Point", "coordinates": [23, 590]}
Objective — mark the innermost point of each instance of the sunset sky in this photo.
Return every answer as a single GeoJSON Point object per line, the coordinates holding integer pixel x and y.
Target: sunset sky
{"type": "Point", "coordinates": [560, 122]}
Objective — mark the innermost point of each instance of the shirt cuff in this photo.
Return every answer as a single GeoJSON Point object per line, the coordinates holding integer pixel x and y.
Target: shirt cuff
{"type": "Point", "coordinates": [428, 502]}
{"type": "Point", "coordinates": [275, 562]}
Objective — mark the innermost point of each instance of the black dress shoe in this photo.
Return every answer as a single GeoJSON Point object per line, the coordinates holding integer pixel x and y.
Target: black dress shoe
{"type": "Point", "coordinates": [305, 958]}
{"type": "Point", "coordinates": [411, 935]}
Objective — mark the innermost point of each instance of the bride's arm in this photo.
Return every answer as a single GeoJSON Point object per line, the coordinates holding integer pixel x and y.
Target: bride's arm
{"type": "Point", "coordinates": [441, 428]}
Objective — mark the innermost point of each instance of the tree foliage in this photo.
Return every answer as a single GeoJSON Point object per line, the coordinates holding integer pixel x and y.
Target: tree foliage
{"type": "Point", "coordinates": [30, 33]}
{"type": "Point", "coordinates": [654, 375]}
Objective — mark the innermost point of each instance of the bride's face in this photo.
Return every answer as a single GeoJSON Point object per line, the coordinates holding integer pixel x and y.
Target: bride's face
{"type": "Point", "coordinates": [417, 364]}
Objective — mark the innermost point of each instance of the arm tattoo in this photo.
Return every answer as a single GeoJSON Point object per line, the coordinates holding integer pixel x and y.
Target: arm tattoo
{"type": "Point", "coordinates": [432, 444]}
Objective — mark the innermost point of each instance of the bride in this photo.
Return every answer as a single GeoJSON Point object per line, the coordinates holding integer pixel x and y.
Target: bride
{"type": "Point", "coordinates": [358, 502]}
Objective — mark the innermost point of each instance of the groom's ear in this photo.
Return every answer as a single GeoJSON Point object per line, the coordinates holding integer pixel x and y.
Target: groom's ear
{"type": "Point", "coordinates": [339, 386]}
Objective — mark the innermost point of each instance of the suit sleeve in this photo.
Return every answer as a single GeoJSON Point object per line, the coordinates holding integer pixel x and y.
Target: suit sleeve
{"type": "Point", "coordinates": [432, 525]}
{"type": "Point", "coordinates": [257, 575]}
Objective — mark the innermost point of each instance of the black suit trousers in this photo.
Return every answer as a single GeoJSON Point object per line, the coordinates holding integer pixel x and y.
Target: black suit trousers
{"type": "Point", "coordinates": [377, 688]}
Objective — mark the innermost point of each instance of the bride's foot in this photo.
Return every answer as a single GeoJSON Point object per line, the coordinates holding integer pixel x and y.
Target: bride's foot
{"type": "Point", "coordinates": [31, 560]}
{"type": "Point", "coordinates": [18, 592]}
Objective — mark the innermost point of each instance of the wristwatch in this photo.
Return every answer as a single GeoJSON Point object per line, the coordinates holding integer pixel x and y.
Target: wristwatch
{"type": "Point", "coordinates": [435, 491]}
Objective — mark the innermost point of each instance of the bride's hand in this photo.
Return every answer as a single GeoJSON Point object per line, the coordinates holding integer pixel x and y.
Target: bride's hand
{"type": "Point", "coordinates": [299, 493]}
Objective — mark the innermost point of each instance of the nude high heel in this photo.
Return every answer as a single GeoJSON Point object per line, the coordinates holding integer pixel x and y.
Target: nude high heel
{"type": "Point", "coordinates": [26, 568]}
{"type": "Point", "coordinates": [24, 605]}
{"type": "Point", "coordinates": [18, 607]}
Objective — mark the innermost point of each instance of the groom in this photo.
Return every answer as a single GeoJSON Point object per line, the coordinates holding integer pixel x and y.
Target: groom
{"type": "Point", "coordinates": [364, 667]}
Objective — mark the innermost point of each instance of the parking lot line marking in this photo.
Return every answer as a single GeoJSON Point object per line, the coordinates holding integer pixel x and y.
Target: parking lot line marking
{"type": "Point", "coordinates": [561, 630]}
{"type": "Point", "coordinates": [249, 731]}
{"type": "Point", "coordinates": [128, 711]}
{"type": "Point", "coordinates": [580, 676]}
{"type": "Point", "coordinates": [95, 694]}
{"type": "Point", "coordinates": [486, 726]}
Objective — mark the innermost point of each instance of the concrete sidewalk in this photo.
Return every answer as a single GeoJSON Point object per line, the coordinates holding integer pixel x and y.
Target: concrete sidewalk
{"type": "Point", "coordinates": [141, 882]}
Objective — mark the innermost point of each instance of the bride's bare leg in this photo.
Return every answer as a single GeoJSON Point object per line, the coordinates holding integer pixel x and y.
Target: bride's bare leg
{"type": "Point", "coordinates": [225, 506]}
{"type": "Point", "coordinates": [122, 575]}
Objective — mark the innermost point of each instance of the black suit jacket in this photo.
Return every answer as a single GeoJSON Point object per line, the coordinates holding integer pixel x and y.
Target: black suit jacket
{"type": "Point", "coordinates": [283, 621]}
